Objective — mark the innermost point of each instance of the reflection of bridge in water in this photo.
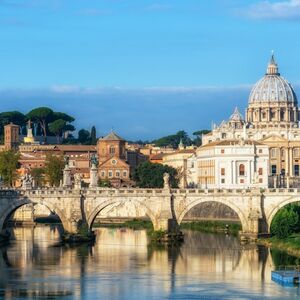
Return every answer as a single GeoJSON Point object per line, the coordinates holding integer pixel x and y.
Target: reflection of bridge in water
{"type": "Point", "coordinates": [166, 208]}
{"type": "Point", "coordinates": [203, 257]}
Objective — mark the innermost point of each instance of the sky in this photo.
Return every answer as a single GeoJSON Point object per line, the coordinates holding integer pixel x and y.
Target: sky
{"type": "Point", "coordinates": [143, 68]}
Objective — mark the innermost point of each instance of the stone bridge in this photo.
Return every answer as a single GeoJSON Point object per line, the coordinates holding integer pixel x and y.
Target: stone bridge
{"type": "Point", "coordinates": [165, 207]}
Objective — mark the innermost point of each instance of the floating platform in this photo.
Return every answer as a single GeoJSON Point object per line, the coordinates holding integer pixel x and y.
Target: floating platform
{"type": "Point", "coordinates": [286, 277]}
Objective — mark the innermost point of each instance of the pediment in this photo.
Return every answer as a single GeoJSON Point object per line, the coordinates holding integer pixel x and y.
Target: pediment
{"type": "Point", "coordinates": [273, 138]}
{"type": "Point", "coordinates": [118, 162]}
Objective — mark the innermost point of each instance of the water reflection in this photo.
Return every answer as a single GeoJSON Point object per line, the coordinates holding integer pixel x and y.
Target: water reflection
{"type": "Point", "coordinates": [122, 264]}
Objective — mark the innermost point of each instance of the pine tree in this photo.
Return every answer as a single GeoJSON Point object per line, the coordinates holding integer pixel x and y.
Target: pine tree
{"type": "Point", "coordinates": [93, 136]}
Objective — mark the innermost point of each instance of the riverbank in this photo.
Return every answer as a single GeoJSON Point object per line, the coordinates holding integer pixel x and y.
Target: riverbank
{"type": "Point", "coordinates": [291, 244]}
{"type": "Point", "coordinates": [134, 224]}
{"type": "Point", "coordinates": [230, 227]}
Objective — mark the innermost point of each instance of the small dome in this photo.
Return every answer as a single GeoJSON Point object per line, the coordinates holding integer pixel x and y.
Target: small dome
{"type": "Point", "coordinates": [272, 87]}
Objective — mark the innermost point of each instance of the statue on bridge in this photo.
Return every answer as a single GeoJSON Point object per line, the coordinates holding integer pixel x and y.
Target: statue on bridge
{"type": "Point", "coordinates": [77, 181]}
{"type": "Point", "coordinates": [94, 172]}
{"type": "Point", "coordinates": [27, 182]}
{"type": "Point", "coordinates": [166, 181]}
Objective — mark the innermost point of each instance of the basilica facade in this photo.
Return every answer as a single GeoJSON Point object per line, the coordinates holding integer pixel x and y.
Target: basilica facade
{"type": "Point", "coordinates": [261, 149]}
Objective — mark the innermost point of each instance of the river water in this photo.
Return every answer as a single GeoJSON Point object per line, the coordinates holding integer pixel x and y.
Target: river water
{"type": "Point", "coordinates": [121, 265]}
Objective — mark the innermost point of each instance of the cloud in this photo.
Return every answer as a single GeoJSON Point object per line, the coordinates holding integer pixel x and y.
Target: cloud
{"type": "Point", "coordinates": [282, 10]}
{"type": "Point", "coordinates": [140, 113]}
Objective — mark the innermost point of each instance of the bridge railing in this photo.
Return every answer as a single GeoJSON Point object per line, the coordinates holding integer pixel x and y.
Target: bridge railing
{"type": "Point", "coordinates": [141, 192]}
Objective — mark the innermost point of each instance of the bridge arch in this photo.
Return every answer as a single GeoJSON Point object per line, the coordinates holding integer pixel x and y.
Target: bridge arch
{"type": "Point", "coordinates": [273, 211]}
{"type": "Point", "coordinates": [92, 216]}
{"type": "Point", "coordinates": [242, 217]}
{"type": "Point", "coordinates": [15, 204]}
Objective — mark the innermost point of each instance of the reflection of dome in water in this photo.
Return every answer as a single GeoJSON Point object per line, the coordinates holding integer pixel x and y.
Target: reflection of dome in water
{"type": "Point", "coordinates": [272, 87]}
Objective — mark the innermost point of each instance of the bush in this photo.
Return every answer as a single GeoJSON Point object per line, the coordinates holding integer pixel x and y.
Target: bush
{"type": "Point", "coordinates": [285, 222]}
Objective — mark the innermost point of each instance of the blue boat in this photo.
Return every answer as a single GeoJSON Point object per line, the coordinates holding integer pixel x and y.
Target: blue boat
{"type": "Point", "coordinates": [287, 276]}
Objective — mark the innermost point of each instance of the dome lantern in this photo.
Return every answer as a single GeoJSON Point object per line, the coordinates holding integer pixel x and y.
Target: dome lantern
{"type": "Point", "coordinates": [272, 66]}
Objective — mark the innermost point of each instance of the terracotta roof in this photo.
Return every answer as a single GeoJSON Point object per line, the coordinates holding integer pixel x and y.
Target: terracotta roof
{"type": "Point", "coordinates": [182, 151]}
{"type": "Point", "coordinates": [112, 137]}
{"type": "Point", "coordinates": [77, 148]}
{"type": "Point", "coordinates": [158, 156]}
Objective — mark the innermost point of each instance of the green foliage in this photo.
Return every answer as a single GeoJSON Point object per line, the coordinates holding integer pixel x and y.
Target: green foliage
{"type": "Point", "coordinates": [8, 166]}
{"type": "Point", "coordinates": [54, 166]}
{"type": "Point", "coordinates": [42, 116]}
{"type": "Point", "coordinates": [83, 136]}
{"type": "Point", "coordinates": [57, 128]}
{"type": "Point", "coordinates": [212, 226]}
{"type": "Point", "coordinates": [104, 183]}
{"type": "Point", "coordinates": [38, 175]}
{"type": "Point", "coordinates": [173, 140]}
{"type": "Point", "coordinates": [285, 222]}
{"type": "Point", "coordinates": [198, 140]}
{"type": "Point", "coordinates": [12, 117]}
{"type": "Point", "coordinates": [62, 116]}
{"type": "Point", "coordinates": [93, 136]}
{"type": "Point", "coordinates": [149, 175]}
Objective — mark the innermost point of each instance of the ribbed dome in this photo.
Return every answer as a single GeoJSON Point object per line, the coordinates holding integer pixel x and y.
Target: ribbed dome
{"type": "Point", "coordinates": [272, 87]}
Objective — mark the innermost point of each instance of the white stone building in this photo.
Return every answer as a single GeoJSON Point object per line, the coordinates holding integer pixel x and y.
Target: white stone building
{"type": "Point", "coordinates": [271, 119]}
{"type": "Point", "coordinates": [229, 164]}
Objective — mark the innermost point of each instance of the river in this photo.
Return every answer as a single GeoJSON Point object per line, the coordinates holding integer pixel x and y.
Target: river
{"type": "Point", "coordinates": [121, 265]}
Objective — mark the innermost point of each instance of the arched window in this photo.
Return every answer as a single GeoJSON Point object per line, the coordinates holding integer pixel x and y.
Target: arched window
{"type": "Point", "coordinates": [242, 170]}
{"type": "Point", "coordinates": [112, 150]}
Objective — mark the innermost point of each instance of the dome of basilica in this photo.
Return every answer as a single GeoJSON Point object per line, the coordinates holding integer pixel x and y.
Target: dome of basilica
{"type": "Point", "coordinates": [272, 87]}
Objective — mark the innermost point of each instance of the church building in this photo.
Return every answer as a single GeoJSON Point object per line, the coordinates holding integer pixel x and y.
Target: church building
{"type": "Point", "coordinates": [271, 125]}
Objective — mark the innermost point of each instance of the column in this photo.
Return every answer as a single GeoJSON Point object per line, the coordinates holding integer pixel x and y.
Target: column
{"type": "Point", "coordinates": [291, 171]}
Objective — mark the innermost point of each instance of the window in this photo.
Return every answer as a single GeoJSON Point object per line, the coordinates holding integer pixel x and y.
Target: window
{"type": "Point", "coordinates": [223, 180]}
{"type": "Point", "coordinates": [242, 181]}
{"type": "Point", "coordinates": [242, 170]}
{"type": "Point", "coordinates": [260, 180]}
{"type": "Point", "coordinates": [273, 152]}
{"type": "Point", "coordinates": [222, 151]}
{"type": "Point", "coordinates": [124, 174]}
{"type": "Point", "coordinates": [110, 174]}
{"type": "Point", "coordinates": [296, 170]}
{"type": "Point", "coordinates": [117, 173]}
{"type": "Point", "coordinates": [260, 171]}
{"type": "Point", "coordinates": [296, 152]}
{"type": "Point", "coordinates": [222, 171]}
{"type": "Point", "coordinates": [273, 169]}
{"type": "Point", "coordinates": [223, 135]}
{"type": "Point", "coordinates": [260, 151]}
{"type": "Point", "coordinates": [112, 150]}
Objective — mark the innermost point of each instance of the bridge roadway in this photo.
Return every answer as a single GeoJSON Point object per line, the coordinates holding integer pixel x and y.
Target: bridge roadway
{"type": "Point", "coordinates": [165, 207]}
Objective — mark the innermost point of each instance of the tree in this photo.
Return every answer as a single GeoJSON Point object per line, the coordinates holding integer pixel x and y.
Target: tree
{"type": "Point", "coordinates": [174, 140]}
{"type": "Point", "coordinates": [57, 128]}
{"type": "Point", "coordinates": [38, 175]}
{"type": "Point", "coordinates": [54, 166]}
{"type": "Point", "coordinates": [41, 116]}
{"type": "Point", "coordinates": [198, 140]}
{"type": "Point", "coordinates": [12, 117]}
{"type": "Point", "coordinates": [83, 136]}
{"type": "Point", "coordinates": [93, 136]}
{"type": "Point", "coordinates": [285, 222]}
{"type": "Point", "coordinates": [63, 116]}
{"type": "Point", "coordinates": [149, 175]}
{"type": "Point", "coordinates": [9, 161]}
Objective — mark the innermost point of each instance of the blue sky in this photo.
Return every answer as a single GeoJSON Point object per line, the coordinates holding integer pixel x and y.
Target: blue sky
{"type": "Point", "coordinates": [145, 68]}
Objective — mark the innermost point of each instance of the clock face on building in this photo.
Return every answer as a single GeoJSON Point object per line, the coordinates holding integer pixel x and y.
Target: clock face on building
{"type": "Point", "coordinates": [114, 162]}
